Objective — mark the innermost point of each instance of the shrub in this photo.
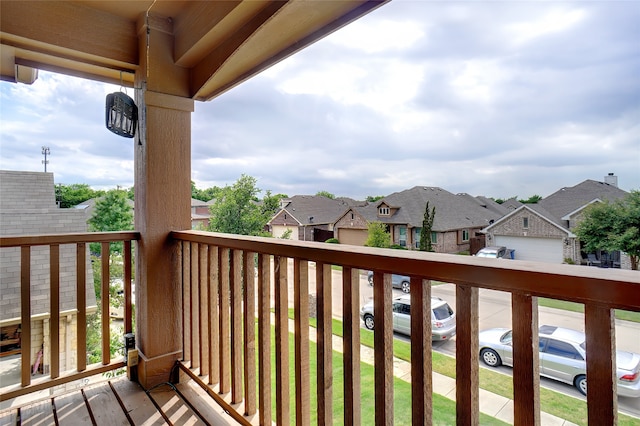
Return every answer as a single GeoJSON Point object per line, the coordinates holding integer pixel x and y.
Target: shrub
{"type": "Point", "coordinates": [332, 241]}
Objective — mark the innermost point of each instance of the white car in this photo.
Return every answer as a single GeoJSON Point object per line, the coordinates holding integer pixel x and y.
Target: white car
{"type": "Point", "coordinates": [562, 357]}
{"type": "Point", "coordinates": [443, 320]}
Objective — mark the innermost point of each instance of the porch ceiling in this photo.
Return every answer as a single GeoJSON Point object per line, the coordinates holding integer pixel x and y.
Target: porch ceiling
{"type": "Point", "coordinates": [221, 43]}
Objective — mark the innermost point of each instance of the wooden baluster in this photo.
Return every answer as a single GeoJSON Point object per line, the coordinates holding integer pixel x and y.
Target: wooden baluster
{"type": "Point", "coordinates": [203, 287]}
{"type": "Point", "coordinates": [249, 301]}
{"type": "Point", "coordinates": [105, 254]}
{"type": "Point", "coordinates": [282, 341]}
{"type": "Point", "coordinates": [54, 309]}
{"type": "Point", "coordinates": [225, 346]}
{"type": "Point", "coordinates": [25, 314]}
{"type": "Point", "coordinates": [236, 327]}
{"type": "Point", "coordinates": [264, 338]}
{"type": "Point", "coordinates": [467, 390]}
{"type": "Point", "coordinates": [81, 301]}
{"type": "Point", "coordinates": [128, 314]}
{"type": "Point", "coordinates": [421, 360]}
{"type": "Point", "coordinates": [526, 361]}
{"type": "Point", "coordinates": [602, 399]}
{"type": "Point", "coordinates": [383, 345]}
{"type": "Point", "coordinates": [351, 344]}
{"type": "Point", "coordinates": [186, 301]}
{"type": "Point", "coordinates": [324, 344]}
{"type": "Point", "coordinates": [214, 315]}
{"type": "Point", "coordinates": [195, 307]}
{"type": "Point", "coordinates": [301, 310]}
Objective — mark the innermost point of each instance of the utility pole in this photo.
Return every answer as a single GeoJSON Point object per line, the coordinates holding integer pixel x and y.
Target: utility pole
{"type": "Point", "coordinates": [45, 152]}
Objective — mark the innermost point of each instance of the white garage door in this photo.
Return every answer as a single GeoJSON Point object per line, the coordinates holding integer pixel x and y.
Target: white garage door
{"type": "Point", "coordinates": [535, 249]}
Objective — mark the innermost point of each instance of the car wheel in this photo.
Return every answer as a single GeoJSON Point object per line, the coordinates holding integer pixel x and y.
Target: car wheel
{"type": "Point", "coordinates": [491, 358]}
{"type": "Point", "coordinates": [405, 286]}
{"type": "Point", "coordinates": [581, 383]}
{"type": "Point", "coordinates": [370, 279]}
{"type": "Point", "coordinates": [368, 321]}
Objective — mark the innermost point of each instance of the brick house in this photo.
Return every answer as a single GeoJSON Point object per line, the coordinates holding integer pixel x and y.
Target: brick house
{"type": "Point", "coordinates": [28, 207]}
{"type": "Point", "coordinates": [458, 218]}
{"type": "Point", "coordinates": [544, 231]}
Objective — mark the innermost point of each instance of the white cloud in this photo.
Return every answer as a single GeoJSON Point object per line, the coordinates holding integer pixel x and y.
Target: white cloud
{"type": "Point", "coordinates": [555, 21]}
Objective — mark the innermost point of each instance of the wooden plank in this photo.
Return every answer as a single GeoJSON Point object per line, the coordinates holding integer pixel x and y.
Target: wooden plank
{"type": "Point", "coordinates": [173, 407]}
{"type": "Point", "coordinates": [81, 300]}
{"type": "Point", "coordinates": [236, 327]}
{"type": "Point", "coordinates": [324, 344]}
{"type": "Point", "coordinates": [194, 306]}
{"type": "Point", "coordinates": [283, 398]}
{"type": "Point", "coordinates": [602, 401]}
{"type": "Point", "coordinates": [213, 316]}
{"type": "Point", "coordinates": [127, 288]}
{"type": "Point", "coordinates": [301, 338]}
{"type": "Point", "coordinates": [203, 286]}
{"type": "Point", "coordinates": [71, 409]}
{"type": "Point", "coordinates": [250, 377]}
{"type": "Point", "coordinates": [54, 309]}
{"type": "Point", "coordinates": [104, 406]}
{"type": "Point", "coordinates": [140, 408]}
{"type": "Point", "coordinates": [526, 361]}
{"type": "Point", "coordinates": [264, 339]}
{"type": "Point", "coordinates": [383, 345]}
{"type": "Point", "coordinates": [421, 359]}
{"type": "Point", "coordinates": [351, 344]}
{"type": "Point", "coordinates": [106, 330]}
{"type": "Point", "coordinates": [467, 383]}
{"type": "Point", "coordinates": [186, 301]}
{"type": "Point", "coordinates": [225, 344]}
{"type": "Point", "coordinates": [25, 314]}
{"type": "Point", "coordinates": [39, 413]}
{"type": "Point", "coordinates": [202, 404]}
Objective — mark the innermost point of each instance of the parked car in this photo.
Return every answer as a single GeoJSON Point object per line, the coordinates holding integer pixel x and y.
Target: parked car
{"type": "Point", "coordinates": [443, 320]}
{"type": "Point", "coordinates": [496, 252]}
{"type": "Point", "coordinates": [562, 357]}
{"type": "Point", "coordinates": [402, 282]}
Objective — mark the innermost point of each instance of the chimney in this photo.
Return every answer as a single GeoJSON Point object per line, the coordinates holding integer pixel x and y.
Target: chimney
{"type": "Point", "coordinates": [611, 179]}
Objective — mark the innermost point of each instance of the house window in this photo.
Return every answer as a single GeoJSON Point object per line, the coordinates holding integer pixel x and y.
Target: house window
{"type": "Point", "coordinates": [465, 235]}
{"type": "Point", "coordinates": [353, 216]}
{"type": "Point", "coordinates": [525, 222]}
{"type": "Point", "coordinates": [434, 237]}
{"type": "Point", "coordinates": [383, 211]}
{"type": "Point", "coordinates": [403, 236]}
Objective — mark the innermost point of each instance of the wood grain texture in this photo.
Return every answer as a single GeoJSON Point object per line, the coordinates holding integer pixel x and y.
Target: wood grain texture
{"type": "Point", "coordinates": [421, 360]}
{"type": "Point", "coordinates": [301, 336]}
{"type": "Point", "coordinates": [383, 345]}
{"type": "Point", "coordinates": [467, 382]}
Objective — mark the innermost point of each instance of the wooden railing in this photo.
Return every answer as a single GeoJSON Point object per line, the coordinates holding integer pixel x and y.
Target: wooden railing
{"type": "Point", "coordinates": [223, 294]}
{"type": "Point", "coordinates": [55, 376]}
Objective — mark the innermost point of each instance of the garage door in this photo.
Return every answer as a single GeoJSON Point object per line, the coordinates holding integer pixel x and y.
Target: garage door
{"type": "Point", "coordinates": [356, 237]}
{"type": "Point", "coordinates": [535, 249]}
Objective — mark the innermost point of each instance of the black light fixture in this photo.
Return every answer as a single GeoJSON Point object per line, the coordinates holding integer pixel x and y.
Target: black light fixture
{"type": "Point", "coordinates": [121, 115]}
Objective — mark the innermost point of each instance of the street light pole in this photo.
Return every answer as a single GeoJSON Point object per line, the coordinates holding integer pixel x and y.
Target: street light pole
{"type": "Point", "coordinates": [45, 152]}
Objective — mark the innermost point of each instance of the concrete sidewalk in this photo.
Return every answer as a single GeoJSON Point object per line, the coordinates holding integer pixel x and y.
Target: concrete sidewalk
{"type": "Point", "coordinates": [491, 404]}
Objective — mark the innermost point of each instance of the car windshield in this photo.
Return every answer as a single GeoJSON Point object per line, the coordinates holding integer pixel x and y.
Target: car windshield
{"type": "Point", "coordinates": [442, 312]}
{"type": "Point", "coordinates": [506, 338]}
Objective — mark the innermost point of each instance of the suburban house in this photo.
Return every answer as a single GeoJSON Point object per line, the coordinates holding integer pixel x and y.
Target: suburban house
{"type": "Point", "coordinates": [199, 214]}
{"type": "Point", "coordinates": [29, 207]}
{"type": "Point", "coordinates": [89, 205]}
{"type": "Point", "coordinates": [307, 217]}
{"type": "Point", "coordinates": [544, 231]}
{"type": "Point", "coordinates": [458, 217]}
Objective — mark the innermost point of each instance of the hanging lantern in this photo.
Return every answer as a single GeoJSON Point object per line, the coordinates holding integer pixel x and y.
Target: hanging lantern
{"type": "Point", "coordinates": [121, 114]}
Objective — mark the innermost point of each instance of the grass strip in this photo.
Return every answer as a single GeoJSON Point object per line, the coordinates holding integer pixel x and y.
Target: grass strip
{"type": "Point", "coordinates": [579, 307]}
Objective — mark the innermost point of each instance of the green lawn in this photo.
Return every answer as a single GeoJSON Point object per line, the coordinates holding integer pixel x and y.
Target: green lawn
{"type": "Point", "coordinates": [444, 410]}
{"type": "Point", "coordinates": [579, 307]}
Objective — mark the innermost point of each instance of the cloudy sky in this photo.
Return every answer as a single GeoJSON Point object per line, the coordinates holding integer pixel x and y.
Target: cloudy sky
{"type": "Point", "coordinates": [490, 98]}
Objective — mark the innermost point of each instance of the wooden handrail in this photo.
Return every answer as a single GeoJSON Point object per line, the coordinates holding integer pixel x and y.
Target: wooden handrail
{"type": "Point", "coordinates": [601, 291]}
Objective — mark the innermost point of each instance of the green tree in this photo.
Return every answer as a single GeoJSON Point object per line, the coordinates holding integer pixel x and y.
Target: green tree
{"type": "Point", "coordinates": [613, 226]}
{"type": "Point", "coordinates": [427, 225]}
{"type": "Point", "coordinates": [237, 211]}
{"type": "Point", "coordinates": [326, 194]}
{"type": "Point", "coordinates": [531, 200]}
{"type": "Point", "coordinates": [378, 236]}
{"type": "Point", "coordinates": [111, 213]}
{"type": "Point", "coordinates": [204, 194]}
{"type": "Point", "coordinates": [71, 195]}
{"type": "Point", "coordinates": [374, 198]}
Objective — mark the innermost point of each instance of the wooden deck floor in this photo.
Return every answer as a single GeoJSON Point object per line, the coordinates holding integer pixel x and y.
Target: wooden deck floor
{"type": "Point", "coordinates": [122, 402]}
